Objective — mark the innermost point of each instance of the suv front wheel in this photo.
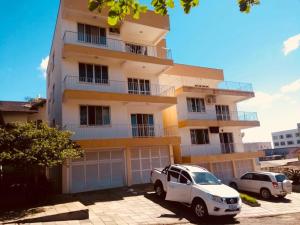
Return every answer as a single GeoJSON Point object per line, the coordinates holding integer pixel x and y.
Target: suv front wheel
{"type": "Point", "coordinates": [199, 208]}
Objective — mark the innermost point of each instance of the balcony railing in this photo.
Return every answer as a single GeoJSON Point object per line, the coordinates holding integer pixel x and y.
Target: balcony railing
{"type": "Point", "coordinates": [98, 41]}
{"type": "Point", "coordinates": [113, 86]}
{"type": "Point", "coordinates": [231, 115]}
{"type": "Point", "coordinates": [211, 149]}
{"type": "Point", "coordinates": [238, 86]}
{"type": "Point", "coordinates": [120, 131]}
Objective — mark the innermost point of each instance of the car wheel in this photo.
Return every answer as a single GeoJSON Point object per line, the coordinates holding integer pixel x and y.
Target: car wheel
{"type": "Point", "coordinates": [265, 193]}
{"type": "Point", "coordinates": [159, 190]}
{"type": "Point", "coordinates": [199, 209]}
{"type": "Point", "coordinates": [233, 185]}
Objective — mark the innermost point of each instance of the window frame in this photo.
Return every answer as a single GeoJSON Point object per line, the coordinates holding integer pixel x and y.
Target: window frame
{"type": "Point", "coordinates": [85, 79]}
{"type": "Point", "coordinates": [194, 135]}
{"type": "Point", "coordinates": [102, 116]}
{"type": "Point", "coordinates": [199, 108]}
{"type": "Point", "coordinates": [138, 86]}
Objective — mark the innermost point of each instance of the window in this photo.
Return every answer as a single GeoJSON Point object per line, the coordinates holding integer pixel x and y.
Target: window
{"type": "Point", "coordinates": [173, 174]}
{"type": "Point", "coordinates": [114, 30]}
{"type": "Point", "coordinates": [282, 143]}
{"type": "Point", "coordinates": [261, 177]}
{"type": "Point", "coordinates": [222, 112]}
{"type": "Point", "coordinates": [91, 34]}
{"type": "Point", "coordinates": [142, 125]}
{"type": "Point", "coordinates": [288, 135]}
{"type": "Point", "coordinates": [298, 141]}
{"type": "Point", "coordinates": [139, 86]}
{"type": "Point", "coordinates": [281, 136]}
{"type": "Point", "coordinates": [275, 137]}
{"type": "Point", "coordinates": [247, 176]}
{"type": "Point", "coordinates": [199, 136]}
{"type": "Point", "coordinates": [297, 134]}
{"type": "Point", "coordinates": [280, 177]}
{"type": "Point", "coordinates": [276, 144]}
{"type": "Point", "coordinates": [290, 142]}
{"type": "Point", "coordinates": [53, 62]}
{"type": "Point", "coordinates": [94, 115]}
{"type": "Point", "coordinates": [93, 73]}
{"type": "Point", "coordinates": [184, 177]}
{"type": "Point", "coordinates": [195, 104]}
{"type": "Point", "coordinates": [53, 93]}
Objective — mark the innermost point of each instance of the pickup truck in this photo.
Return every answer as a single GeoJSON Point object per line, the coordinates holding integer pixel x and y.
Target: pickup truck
{"type": "Point", "coordinates": [198, 188]}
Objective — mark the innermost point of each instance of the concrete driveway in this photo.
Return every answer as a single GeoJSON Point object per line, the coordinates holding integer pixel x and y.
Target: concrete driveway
{"type": "Point", "coordinates": [139, 205]}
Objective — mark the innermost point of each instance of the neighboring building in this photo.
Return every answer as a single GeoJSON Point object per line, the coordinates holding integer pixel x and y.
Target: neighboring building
{"type": "Point", "coordinates": [286, 138]}
{"type": "Point", "coordinates": [14, 111]}
{"type": "Point", "coordinates": [257, 146]}
{"type": "Point", "coordinates": [115, 89]}
{"type": "Point", "coordinates": [208, 121]}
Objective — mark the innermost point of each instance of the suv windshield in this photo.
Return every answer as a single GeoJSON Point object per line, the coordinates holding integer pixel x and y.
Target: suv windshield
{"type": "Point", "coordinates": [280, 177]}
{"type": "Point", "coordinates": [205, 178]}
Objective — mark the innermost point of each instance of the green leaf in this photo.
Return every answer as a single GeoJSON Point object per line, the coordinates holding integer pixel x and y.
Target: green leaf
{"type": "Point", "coordinates": [112, 21]}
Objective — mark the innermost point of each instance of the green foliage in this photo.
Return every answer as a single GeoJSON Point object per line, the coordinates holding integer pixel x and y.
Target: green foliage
{"type": "Point", "coordinates": [249, 199]}
{"type": "Point", "coordinates": [29, 145]}
{"type": "Point", "coordinates": [118, 9]}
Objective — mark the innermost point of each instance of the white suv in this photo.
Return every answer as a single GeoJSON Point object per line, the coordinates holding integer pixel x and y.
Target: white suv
{"type": "Point", "coordinates": [198, 188]}
{"type": "Point", "coordinates": [267, 184]}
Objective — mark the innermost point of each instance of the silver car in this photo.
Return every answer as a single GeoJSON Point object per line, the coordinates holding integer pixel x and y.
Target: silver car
{"type": "Point", "coordinates": [267, 184]}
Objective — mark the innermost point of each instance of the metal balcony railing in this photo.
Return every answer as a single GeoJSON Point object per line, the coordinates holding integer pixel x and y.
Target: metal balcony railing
{"type": "Point", "coordinates": [114, 86]}
{"type": "Point", "coordinates": [231, 115]}
{"type": "Point", "coordinates": [116, 45]}
{"type": "Point", "coordinates": [211, 149]}
{"type": "Point", "coordinates": [238, 86]}
{"type": "Point", "coordinates": [120, 131]}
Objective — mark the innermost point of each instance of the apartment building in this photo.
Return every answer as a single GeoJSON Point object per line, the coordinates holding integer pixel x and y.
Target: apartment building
{"type": "Point", "coordinates": [117, 90]}
{"type": "Point", "coordinates": [286, 138]}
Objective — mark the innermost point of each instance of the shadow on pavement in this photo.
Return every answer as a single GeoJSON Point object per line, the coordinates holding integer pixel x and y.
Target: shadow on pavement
{"type": "Point", "coordinates": [183, 212]}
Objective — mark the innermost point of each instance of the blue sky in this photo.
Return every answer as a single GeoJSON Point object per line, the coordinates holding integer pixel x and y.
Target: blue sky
{"type": "Point", "coordinates": [248, 47]}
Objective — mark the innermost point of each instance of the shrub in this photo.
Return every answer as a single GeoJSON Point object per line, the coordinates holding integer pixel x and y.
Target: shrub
{"type": "Point", "coordinates": [249, 200]}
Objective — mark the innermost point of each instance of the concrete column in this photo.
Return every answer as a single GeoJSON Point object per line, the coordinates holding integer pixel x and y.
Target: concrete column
{"type": "Point", "coordinates": [66, 177]}
{"type": "Point", "coordinates": [128, 166]}
{"type": "Point", "coordinates": [234, 168]}
{"type": "Point", "coordinates": [171, 152]}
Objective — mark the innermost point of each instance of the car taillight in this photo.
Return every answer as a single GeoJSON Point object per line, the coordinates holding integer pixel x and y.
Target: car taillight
{"type": "Point", "coordinates": [275, 184]}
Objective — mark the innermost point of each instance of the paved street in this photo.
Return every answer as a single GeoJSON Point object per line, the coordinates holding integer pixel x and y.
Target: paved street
{"type": "Point", "coordinates": [141, 206]}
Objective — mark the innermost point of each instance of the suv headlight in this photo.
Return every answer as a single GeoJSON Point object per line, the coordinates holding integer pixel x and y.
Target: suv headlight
{"type": "Point", "coordinates": [217, 199]}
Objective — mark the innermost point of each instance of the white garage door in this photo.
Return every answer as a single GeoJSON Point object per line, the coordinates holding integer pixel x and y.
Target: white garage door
{"type": "Point", "coordinates": [144, 159]}
{"type": "Point", "coordinates": [243, 166]}
{"type": "Point", "coordinates": [223, 171]}
{"type": "Point", "coordinates": [98, 170]}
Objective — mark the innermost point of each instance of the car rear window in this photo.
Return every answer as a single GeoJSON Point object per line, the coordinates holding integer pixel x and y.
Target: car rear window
{"type": "Point", "coordinates": [280, 177]}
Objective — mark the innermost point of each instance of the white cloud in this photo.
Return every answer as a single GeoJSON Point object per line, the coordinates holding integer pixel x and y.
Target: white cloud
{"type": "Point", "coordinates": [43, 66]}
{"type": "Point", "coordinates": [291, 44]}
{"type": "Point", "coordinates": [276, 111]}
{"type": "Point", "coordinates": [292, 87]}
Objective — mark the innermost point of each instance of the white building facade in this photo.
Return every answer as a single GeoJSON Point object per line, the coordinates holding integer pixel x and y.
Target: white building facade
{"type": "Point", "coordinates": [286, 138]}
{"type": "Point", "coordinates": [132, 109]}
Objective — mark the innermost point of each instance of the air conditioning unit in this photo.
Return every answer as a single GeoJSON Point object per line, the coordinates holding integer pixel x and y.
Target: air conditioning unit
{"type": "Point", "coordinates": [210, 99]}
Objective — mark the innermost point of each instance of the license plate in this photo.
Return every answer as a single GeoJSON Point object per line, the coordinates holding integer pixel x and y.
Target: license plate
{"type": "Point", "coordinates": [232, 207]}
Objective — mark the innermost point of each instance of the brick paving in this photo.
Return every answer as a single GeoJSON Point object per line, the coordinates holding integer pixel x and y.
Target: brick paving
{"type": "Point", "coordinates": [141, 206]}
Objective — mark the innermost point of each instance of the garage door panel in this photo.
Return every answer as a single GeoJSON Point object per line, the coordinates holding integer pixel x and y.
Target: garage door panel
{"type": "Point", "coordinates": [78, 180]}
{"type": "Point", "coordinates": [223, 170]}
{"type": "Point", "coordinates": [243, 166]}
{"type": "Point", "coordinates": [92, 176]}
{"type": "Point", "coordinates": [144, 159]}
{"type": "Point", "coordinates": [98, 170]}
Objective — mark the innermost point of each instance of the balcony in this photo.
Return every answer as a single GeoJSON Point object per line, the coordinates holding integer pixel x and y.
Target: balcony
{"type": "Point", "coordinates": [212, 118]}
{"type": "Point", "coordinates": [114, 86]}
{"type": "Point", "coordinates": [117, 131]}
{"type": "Point", "coordinates": [211, 149]}
{"type": "Point", "coordinates": [130, 49]}
{"type": "Point", "coordinates": [76, 87]}
{"type": "Point", "coordinates": [233, 91]}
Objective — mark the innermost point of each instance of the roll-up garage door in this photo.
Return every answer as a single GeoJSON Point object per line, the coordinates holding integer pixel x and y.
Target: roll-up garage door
{"type": "Point", "coordinates": [98, 170]}
{"type": "Point", "coordinates": [223, 171]}
{"type": "Point", "coordinates": [243, 166]}
{"type": "Point", "coordinates": [144, 159]}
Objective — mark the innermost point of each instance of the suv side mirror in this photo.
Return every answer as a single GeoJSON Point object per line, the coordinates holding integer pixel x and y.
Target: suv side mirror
{"type": "Point", "coordinates": [188, 182]}
{"type": "Point", "coordinates": [220, 180]}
